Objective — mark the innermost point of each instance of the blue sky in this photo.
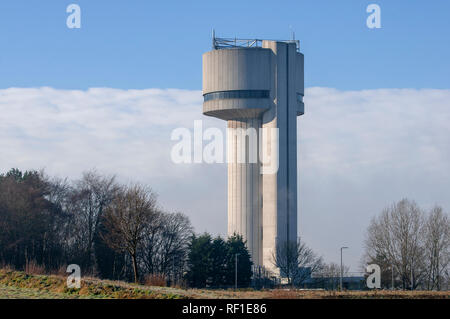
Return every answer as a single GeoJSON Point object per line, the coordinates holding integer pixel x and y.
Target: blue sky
{"type": "Point", "coordinates": [158, 44]}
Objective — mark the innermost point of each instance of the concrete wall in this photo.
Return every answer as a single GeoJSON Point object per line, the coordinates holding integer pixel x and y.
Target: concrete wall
{"type": "Point", "coordinates": [236, 69]}
{"type": "Point", "coordinates": [280, 189]}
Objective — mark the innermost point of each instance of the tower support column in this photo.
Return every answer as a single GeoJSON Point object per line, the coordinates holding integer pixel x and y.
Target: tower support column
{"type": "Point", "coordinates": [244, 184]}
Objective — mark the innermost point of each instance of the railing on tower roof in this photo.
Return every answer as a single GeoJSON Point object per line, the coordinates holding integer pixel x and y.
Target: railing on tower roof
{"type": "Point", "coordinates": [230, 43]}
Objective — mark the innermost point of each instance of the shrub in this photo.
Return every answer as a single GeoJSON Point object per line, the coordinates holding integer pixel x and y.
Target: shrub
{"type": "Point", "coordinates": [155, 280]}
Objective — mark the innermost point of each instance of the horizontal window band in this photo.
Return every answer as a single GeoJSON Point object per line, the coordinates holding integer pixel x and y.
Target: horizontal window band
{"type": "Point", "coordinates": [236, 94]}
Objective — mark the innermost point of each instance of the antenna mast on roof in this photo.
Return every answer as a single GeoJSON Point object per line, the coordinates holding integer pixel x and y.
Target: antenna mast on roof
{"type": "Point", "coordinates": [292, 33]}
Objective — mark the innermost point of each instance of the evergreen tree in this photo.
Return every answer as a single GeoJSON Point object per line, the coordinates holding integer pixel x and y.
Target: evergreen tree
{"type": "Point", "coordinates": [219, 258]}
{"type": "Point", "coordinates": [199, 261]}
{"type": "Point", "coordinates": [236, 245]}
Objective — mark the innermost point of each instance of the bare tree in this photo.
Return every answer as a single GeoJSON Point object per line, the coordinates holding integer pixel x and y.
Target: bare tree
{"type": "Point", "coordinates": [296, 261]}
{"type": "Point", "coordinates": [437, 247]}
{"type": "Point", "coordinates": [166, 244]}
{"type": "Point", "coordinates": [90, 196]}
{"type": "Point", "coordinates": [150, 254]}
{"type": "Point", "coordinates": [58, 228]}
{"type": "Point", "coordinates": [126, 220]}
{"type": "Point", "coordinates": [396, 238]}
{"type": "Point", "coordinates": [176, 233]}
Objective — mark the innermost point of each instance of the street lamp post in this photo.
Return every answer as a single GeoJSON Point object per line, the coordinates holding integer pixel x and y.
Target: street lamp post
{"type": "Point", "coordinates": [392, 269]}
{"type": "Point", "coordinates": [341, 267]}
{"type": "Point", "coordinates": [235, 271]}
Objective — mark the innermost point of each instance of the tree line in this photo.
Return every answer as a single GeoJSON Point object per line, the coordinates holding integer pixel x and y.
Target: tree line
{"type": "Point", "coordinates": [120, 232]}
{"type": "Point", "coordinates": [411, 246]}
{"type": "Point", "coordinates": [109, 229]}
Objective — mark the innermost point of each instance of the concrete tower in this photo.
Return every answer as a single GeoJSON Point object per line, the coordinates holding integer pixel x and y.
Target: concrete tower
{"type": "Point", "coordinates": [258, 84]}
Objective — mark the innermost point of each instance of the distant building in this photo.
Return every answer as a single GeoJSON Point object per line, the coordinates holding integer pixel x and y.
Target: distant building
{"type": "Point", "coordinates": [332, 282]}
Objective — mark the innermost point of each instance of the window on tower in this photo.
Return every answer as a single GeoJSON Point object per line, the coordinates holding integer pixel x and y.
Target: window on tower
{"type": "Point", "coordinates": [236, 94]}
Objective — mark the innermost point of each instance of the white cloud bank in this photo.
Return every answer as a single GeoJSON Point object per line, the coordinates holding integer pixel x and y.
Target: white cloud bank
{"type": "Point", "coordinates": [358, 151]}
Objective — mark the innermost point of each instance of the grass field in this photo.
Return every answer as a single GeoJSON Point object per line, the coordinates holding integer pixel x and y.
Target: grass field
{"type": "Point", "coordinates": [19, 285]}
{"type": "Point", "coordinates": [11, 292]}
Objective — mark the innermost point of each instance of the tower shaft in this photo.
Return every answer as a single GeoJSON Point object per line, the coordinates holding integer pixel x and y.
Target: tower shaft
{"type": "Point", "coordinates": [245, 184]}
